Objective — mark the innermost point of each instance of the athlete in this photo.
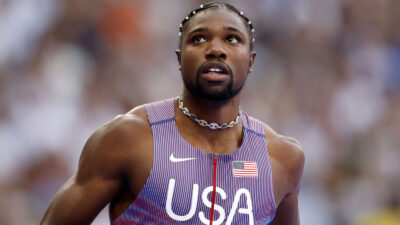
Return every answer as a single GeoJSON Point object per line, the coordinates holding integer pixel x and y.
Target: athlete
{"type": "Point", "coordinates": [193, 159]}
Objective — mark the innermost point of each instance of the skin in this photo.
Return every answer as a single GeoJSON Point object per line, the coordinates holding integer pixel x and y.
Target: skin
{"type": "Point", "coordinates": [117, 158]}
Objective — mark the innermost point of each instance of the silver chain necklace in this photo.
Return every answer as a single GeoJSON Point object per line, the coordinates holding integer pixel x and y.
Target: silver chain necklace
{"type": "Point", "coordinates": [204, 123]}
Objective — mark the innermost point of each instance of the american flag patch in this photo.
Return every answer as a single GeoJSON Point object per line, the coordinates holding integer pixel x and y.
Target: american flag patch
{"type": "Point", "coordinates": [244, 169]}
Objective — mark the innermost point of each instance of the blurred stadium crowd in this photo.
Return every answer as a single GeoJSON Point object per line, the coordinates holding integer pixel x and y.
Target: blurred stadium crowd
{"type": "Point", "coordinates": [327, 72]}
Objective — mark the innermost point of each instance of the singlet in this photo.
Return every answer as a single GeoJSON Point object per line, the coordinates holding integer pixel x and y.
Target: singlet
{"type": "Point", "coordinates": [180, 185]}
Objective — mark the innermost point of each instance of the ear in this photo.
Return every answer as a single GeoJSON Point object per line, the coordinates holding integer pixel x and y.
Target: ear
{"type": "Point", "coordinates": [251, 61]}
{"type": "Point", "coordinates": [178, 55]}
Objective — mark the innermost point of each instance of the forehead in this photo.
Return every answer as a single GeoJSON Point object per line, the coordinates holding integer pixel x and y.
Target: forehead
{"type": "Point", "coordinates": [216, 18]}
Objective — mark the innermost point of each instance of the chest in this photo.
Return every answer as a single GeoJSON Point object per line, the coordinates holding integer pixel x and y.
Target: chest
{"type": "Point", "coordinates": [181, 182]}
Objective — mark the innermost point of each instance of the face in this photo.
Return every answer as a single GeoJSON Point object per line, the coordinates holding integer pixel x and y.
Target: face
{"type": "Point", "coordinates": [215, 56]}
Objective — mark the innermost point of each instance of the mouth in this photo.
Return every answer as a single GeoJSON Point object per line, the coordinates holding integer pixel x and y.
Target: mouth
{"type": "Point", "coordinates": [215, 71]}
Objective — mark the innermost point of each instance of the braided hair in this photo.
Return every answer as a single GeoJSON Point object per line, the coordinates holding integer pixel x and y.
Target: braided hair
{"type": "Point", "coordinates": [247, 22]}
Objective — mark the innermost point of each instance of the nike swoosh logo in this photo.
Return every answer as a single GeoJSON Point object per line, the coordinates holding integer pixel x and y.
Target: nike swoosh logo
{"type": "Point", "coordinates": [173, 159]}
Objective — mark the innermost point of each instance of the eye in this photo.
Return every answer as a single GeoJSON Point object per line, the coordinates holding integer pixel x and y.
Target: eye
{"type": "Point", "coordinates": [232, 39]}
{"type": "Point", "coordinates": [198, 39]}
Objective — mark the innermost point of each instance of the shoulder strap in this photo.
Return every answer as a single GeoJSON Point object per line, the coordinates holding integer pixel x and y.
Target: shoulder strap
{"type": "Point", "coordinates": [253, 125]}
{"type": "Point", "coordinates": [160, 111]}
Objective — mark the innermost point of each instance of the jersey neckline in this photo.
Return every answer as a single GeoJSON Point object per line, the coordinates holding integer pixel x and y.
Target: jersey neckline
{"type": "Point", "coordinates": [202, 152]}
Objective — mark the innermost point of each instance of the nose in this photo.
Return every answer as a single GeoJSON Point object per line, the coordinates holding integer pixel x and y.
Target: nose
{"type": "Point", "coordinates": [215, 50]}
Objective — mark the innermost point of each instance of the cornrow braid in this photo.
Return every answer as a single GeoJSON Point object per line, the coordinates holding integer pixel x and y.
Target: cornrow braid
{"type": "Point", "coordinates": [248, 23]}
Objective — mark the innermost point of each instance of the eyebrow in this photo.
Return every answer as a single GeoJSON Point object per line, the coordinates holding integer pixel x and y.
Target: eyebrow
{"type": "Point", "coordinates": [234, 30]}
{"type": "Point", "coordinates": [203, 29]}
{"type": "Point", "coordinates": [200, 29]}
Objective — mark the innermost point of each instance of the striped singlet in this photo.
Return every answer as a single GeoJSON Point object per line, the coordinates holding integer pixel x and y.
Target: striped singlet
{"type": "Point", "coordinates": [180, 186]}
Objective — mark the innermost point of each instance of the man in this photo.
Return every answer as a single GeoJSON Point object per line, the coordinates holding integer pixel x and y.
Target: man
{"type": "Point", "coordinates": [194, 159]}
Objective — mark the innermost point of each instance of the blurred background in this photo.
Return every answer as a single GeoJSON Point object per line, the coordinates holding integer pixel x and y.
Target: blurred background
{"type": "Point", "coordinates": [327, 72]}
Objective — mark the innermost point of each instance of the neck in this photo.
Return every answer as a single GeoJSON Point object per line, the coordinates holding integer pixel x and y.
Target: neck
{"type": "Point", "coordinates": [221, 141]}
{"type": "Point", "coordinates": [212, 111]}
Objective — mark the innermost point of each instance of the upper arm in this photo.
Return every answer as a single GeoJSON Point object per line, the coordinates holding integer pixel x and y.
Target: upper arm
{"type": "Point", "coordinates": [291, 162]}
{"type": "Point", "coordinates": [99, 177]}
{"type": "Point", "coordinates": [287, 159]}
{"type": "Point", "coordinates": [79, 202]}
{"type": "Point", "coordinates": [287, 212]}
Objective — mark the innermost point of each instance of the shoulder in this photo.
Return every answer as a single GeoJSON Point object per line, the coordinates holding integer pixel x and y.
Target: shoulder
{"type": "Point", "coordinates": [123, 129]}
{"type": "Point", "coordinates": [109, 146]}
{"type": "Point", "coordinates": [128, 126]}
{"type": "Point", "coordinates": [288, 155]}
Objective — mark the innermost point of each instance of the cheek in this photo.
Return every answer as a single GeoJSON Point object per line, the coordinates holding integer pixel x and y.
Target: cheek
{"type": "Point", "coordinates": [188, 67]}
{"type": "Point", "coordinates": [241, 61]}
{"type": "Point", "coordinates": [191, 62]}
{"type": "Point", "coordinates": [189, 58]}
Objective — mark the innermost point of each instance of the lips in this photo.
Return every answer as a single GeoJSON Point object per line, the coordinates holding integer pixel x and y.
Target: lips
{"type": "Point", "coordinates": [215, 67]}
{"type": "Point", "coordinates": [214, 72]}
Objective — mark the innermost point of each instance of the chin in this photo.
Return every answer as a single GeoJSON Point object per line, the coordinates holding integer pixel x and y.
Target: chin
{"type": "Point", "coordinates": [217, 96]}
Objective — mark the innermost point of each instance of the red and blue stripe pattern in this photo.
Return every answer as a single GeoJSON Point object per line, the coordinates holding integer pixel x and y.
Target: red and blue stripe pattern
{"type": "Point", "coordinates": [178, 190]}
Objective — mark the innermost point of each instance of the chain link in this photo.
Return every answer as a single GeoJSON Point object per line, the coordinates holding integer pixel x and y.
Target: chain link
{"type": "Point", "coordinates": [204, 123]}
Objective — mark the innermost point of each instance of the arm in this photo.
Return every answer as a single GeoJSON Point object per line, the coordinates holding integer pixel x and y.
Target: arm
{"type": "Point", "coordinates": [288, 162]}
{"type": "Point", "coordinates": [99, 177]}
{"type": "Point", "coordinates": [287, 212]}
